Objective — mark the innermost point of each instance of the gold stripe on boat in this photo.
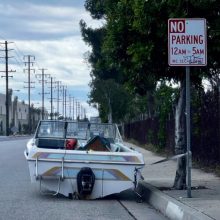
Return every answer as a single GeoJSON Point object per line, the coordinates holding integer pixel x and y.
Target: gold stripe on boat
{"type": "Point", "coordinates": [116, 173]}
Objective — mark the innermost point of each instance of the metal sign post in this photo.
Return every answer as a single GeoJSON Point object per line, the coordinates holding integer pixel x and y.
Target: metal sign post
{"type": "Point", "coordinates": [188, 132]}
{"type": "Point", "coordinates": [187, 47]}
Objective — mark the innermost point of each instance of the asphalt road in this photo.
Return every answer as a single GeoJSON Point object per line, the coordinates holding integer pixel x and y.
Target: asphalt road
{"type": "Point", "coordinates": [21, 200]}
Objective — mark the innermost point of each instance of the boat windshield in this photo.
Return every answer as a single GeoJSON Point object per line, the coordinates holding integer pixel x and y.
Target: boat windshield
{"type": "Point", "coordinates": [79, 130]}
{"type": "Point", "coordinates": [51, 129]}
{"type": "Point", "coordinates": [104, 130]}
{"type": "Point", "coordinates": [85, 130]}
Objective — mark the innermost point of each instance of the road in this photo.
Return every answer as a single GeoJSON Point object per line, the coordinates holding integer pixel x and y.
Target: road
{"type": "Point", "coordinates": [21, 200]}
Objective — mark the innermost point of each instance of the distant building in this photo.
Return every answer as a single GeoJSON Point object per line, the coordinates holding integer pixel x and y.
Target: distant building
{"type": "Point", "coordinates": [18, 115]}
{"type": "Point", "coordinates": [2, 114]}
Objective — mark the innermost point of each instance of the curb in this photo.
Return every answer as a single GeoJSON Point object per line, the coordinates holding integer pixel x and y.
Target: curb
{"type": "Point", "coordinates": [169, 206]}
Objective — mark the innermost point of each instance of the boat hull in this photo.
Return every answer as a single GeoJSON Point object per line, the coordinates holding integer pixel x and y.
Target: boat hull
{"type": "Point", "coordinates": [57, 173]}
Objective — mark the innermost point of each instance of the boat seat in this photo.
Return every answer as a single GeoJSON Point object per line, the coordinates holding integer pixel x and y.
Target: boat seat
{"type": "Point", "coordinates": [71, 144]}
{"type": "Point", "coordinates": [50, 143]}
{"type": "Point", "coordinates": [98, 143]}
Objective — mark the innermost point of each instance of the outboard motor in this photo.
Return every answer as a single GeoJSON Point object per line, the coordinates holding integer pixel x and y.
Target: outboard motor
{"type": "Point", "coordinates": [85, 181]}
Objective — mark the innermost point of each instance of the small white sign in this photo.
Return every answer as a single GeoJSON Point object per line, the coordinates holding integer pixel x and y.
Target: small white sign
{"type": "Point", "coordinates": [187, 42]}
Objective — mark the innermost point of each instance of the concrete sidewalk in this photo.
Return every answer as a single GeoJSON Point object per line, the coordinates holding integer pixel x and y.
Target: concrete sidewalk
{"type": "Point", "coordinates": [159, 178]}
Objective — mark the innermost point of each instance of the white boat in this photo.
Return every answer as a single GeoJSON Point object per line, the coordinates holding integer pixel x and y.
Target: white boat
{"type": "Point", "coordinates": [82, 159]}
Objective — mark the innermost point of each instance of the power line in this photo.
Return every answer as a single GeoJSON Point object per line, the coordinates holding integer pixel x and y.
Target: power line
{"type": "Point", "coordinates": [19, 51]}
{"type": "Point", "coordinates": [18, 54]}
{"type": "Point", "coordinates": [19, 64]}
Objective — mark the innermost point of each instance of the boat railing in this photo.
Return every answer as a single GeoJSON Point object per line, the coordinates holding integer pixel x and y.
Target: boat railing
{"type": "Point", "coordinates": [118, 135]}
{"type": "Point", "coordinates": [41, 177]}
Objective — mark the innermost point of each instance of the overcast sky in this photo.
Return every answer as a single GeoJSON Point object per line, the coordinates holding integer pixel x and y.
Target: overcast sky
{"type": "Point", "coordinates": [49, 30]}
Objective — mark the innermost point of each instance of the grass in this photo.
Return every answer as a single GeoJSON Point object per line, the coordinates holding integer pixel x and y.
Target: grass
{"type": "Point", "coordinates": [155, 149]}
{"type": "Point", "coordinates": [207, 167]}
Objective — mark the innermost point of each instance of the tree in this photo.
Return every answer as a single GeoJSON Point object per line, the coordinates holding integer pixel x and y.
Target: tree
{"type": "Point", "coordinates": [165, 97]}
{"type": "Point", "coordinates": [112, 98]}
{"type": "Point", "coordinates": [132, 48]}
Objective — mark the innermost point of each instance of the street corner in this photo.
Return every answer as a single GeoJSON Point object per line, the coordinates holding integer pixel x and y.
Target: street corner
{"type": "Point", "coordinates": [169, 206]}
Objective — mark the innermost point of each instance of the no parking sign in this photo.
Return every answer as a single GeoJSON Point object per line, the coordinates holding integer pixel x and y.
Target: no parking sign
{"type": "Point", "coordinates": [187, 42]}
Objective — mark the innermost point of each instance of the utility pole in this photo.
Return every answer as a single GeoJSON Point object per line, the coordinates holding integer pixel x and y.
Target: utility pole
{"type": "Point", "coordinates": [58, 86]}
{"type": "Point", "coordinates": [79, 110]}
{"type": "Point", "coordinates": [70, 105]}
{"type": "Point", "coordinates": [82, 111]}
{"type": "Point", "coordinates": [64, 100]}
{"type": "Point", "coordinates": [76, 109]}
{"type": "Point", "coordinates": [6, 77]}
{"type": "Point", "coordinates": [51, 97]}
{"type": "Point", "coordinates": [43, 76]}
{"type": "Point", "coordinates": [29, 63]}
{"type": "Point", "coordinates": [73, 108]}
{"type": "Point", "coordinates": [65, 103]}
